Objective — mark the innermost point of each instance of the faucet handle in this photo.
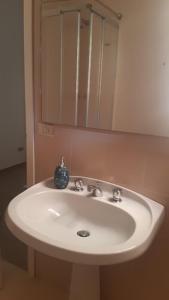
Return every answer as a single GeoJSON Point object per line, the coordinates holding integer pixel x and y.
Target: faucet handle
{"type": "Point", "coordinates": [117, 194]}
{"type": "Point", "coordinates": [79, 184]}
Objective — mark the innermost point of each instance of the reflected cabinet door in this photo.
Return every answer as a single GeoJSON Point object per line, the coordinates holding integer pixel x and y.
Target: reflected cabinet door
{"type": "Point", "coordinates": [51, 69]}
{"type": "Point", "coordinates": [102, 72]}
{"type": "Point", "coordinates": [78, 66]}
{"type": "Point", "coordinates": [108, 76]}
{"type": "Point", "coordinates": [70, 67]}
{"type": "Point", "coordinates": [59, 66]}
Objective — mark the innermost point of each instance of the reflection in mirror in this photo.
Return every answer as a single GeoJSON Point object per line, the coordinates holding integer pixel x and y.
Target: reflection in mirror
{"type": "Point", "coordinates": [102, 76]}
{"type": "Point", "coordinates": [96, 45]}
{"type": "Point", "coordinates": [83, 67]}
{"type": "Point", "coordinates": [79, 53]}
{"type": "Point", "coordinates": [70, 65]}
{"type": "Point", "coordinates": [107, 92]}
{"type": "Point", "coordinates": [60, 47]}
{"type": "Point", "coordinates": [50, 66]}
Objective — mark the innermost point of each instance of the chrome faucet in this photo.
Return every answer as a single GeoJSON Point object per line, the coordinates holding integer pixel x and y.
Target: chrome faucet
{"type": "Point", "coordinates": [78, 184]}
{"type": "Point", "coordinates": [117, 195]}
{"type": "Point", "coordinates": [95, 189]}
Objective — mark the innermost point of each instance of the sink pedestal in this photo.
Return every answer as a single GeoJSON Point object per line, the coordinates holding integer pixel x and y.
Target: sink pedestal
{"type": "Point", "coordinates": [85, 283]}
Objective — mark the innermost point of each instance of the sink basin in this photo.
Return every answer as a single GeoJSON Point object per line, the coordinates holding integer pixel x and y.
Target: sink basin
{"type": "Point", "coordinates": [82, 229]}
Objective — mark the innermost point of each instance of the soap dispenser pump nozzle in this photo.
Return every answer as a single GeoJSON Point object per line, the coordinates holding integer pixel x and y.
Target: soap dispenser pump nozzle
{"type": "Point", "coordinates": [62, 162]}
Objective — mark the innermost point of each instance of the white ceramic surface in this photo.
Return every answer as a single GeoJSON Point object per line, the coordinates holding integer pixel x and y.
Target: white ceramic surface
{"type": "Point", "coordinates": [48, 220]}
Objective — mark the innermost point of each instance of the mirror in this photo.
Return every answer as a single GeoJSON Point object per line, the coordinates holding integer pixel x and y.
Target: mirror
{"type": "Point", "coordinates": [100, 71]}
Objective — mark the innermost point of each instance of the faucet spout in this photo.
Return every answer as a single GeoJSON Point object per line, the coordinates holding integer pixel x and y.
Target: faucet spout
{"type": "Point", "coordinates": [95, 189]}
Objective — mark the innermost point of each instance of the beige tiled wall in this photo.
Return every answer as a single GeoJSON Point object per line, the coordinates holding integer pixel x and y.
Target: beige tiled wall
{"type": "Point", "coordinates": [135, 161]}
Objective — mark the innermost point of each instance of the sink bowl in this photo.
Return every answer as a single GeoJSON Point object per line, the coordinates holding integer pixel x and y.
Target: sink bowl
{"type": "Point", "coordinates": [82, 229]}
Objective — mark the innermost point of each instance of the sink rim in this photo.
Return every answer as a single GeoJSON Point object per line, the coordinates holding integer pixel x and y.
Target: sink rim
{"type": "Point", "coordinates": [127, 250]}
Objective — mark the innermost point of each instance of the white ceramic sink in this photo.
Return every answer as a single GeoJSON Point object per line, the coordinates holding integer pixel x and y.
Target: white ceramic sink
{"type": "Point", "coordinates": [48, 220]}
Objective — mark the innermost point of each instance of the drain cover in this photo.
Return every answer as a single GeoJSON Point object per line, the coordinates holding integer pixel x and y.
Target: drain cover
{"type": "Point", "coordinates": [83, 233]}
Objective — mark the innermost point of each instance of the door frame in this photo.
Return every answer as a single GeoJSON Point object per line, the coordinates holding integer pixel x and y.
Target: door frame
{"type": "Point", "coordinates": [29, 94]}
{"type": "Point", "coordinates": [29, 112]}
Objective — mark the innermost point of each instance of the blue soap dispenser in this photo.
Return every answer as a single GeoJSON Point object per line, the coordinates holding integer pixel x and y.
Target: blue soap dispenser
{"type": "Point", "coordinates": [61, 176]}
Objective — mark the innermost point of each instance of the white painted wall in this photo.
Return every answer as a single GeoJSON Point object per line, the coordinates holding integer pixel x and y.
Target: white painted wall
{"type": "Point", "coordinates": [12, 115]}
{"type": "Point", "coordinates": [142, 86]}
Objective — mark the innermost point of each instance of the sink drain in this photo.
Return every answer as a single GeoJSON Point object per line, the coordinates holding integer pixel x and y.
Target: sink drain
{"type": "Point", "coordinates": [83, 233]}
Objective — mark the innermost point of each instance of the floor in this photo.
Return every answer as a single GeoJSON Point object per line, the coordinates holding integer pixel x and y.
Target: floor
{"type": "Point", "coordinates": [18, 286]}
{"type": "Point", "coordinates": [12, 182]}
